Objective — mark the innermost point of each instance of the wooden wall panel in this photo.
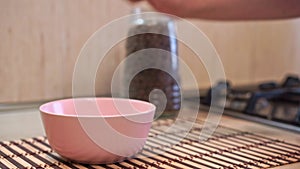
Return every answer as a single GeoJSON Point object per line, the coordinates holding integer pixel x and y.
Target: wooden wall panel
{"type": "Point", "coordinates": [41, 39]}
{"type": "Point", "coordinates": [280, 54]}
{"type": "Point", "coordinates": [254, 51]}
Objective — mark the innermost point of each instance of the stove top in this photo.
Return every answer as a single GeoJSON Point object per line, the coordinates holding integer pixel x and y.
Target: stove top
{"type": "Point", "coordinates": [272, 103]}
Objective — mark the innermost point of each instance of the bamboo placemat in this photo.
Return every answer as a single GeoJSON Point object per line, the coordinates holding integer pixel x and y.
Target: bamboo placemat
{"type": "Point", "coordinates": [227, 148]}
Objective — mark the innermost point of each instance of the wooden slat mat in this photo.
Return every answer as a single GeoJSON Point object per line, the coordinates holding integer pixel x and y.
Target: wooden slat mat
{"type": "Point", "coordinates": [227, 148]}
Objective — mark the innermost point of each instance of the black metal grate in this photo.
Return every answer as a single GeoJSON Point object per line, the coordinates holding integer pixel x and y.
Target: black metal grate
{"type": "Point", "coordinates": [226, 148]}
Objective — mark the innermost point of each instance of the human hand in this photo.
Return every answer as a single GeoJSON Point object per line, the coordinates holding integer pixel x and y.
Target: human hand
{"type": "Point", "coordinates": [228, 9]}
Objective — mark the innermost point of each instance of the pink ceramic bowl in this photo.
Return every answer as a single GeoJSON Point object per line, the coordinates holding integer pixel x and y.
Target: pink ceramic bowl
{"type": "Point", "coordinates": [97, 130]}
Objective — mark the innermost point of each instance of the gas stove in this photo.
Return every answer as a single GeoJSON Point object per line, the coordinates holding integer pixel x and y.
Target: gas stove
{"type": "Point", "coordinates": [273, 103]}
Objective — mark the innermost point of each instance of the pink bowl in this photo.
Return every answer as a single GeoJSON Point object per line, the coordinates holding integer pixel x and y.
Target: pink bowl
{"type": "Point", "coordinates": [97, 130]}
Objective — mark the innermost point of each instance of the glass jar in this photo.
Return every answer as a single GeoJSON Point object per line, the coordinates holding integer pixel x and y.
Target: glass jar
{"type": "Point", "coordinates": [152, 38]}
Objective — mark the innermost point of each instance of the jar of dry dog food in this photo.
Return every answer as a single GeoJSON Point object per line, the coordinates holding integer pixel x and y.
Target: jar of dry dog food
{"type": "Point", "coordinates": [153, 67]}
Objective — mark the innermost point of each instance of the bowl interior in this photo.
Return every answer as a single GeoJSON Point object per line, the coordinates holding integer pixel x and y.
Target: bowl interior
{"type": "Point", "coordinates": [104, 107]}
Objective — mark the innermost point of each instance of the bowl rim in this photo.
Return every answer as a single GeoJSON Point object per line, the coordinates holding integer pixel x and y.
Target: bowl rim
{"type": "Point", "coordinates": [43, 111]}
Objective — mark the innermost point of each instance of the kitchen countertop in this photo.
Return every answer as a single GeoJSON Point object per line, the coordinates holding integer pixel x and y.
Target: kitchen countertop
{"type": "Point", "coordinates": [20, 123]}
{"type": "Point", "coordinates": [25, 123]}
